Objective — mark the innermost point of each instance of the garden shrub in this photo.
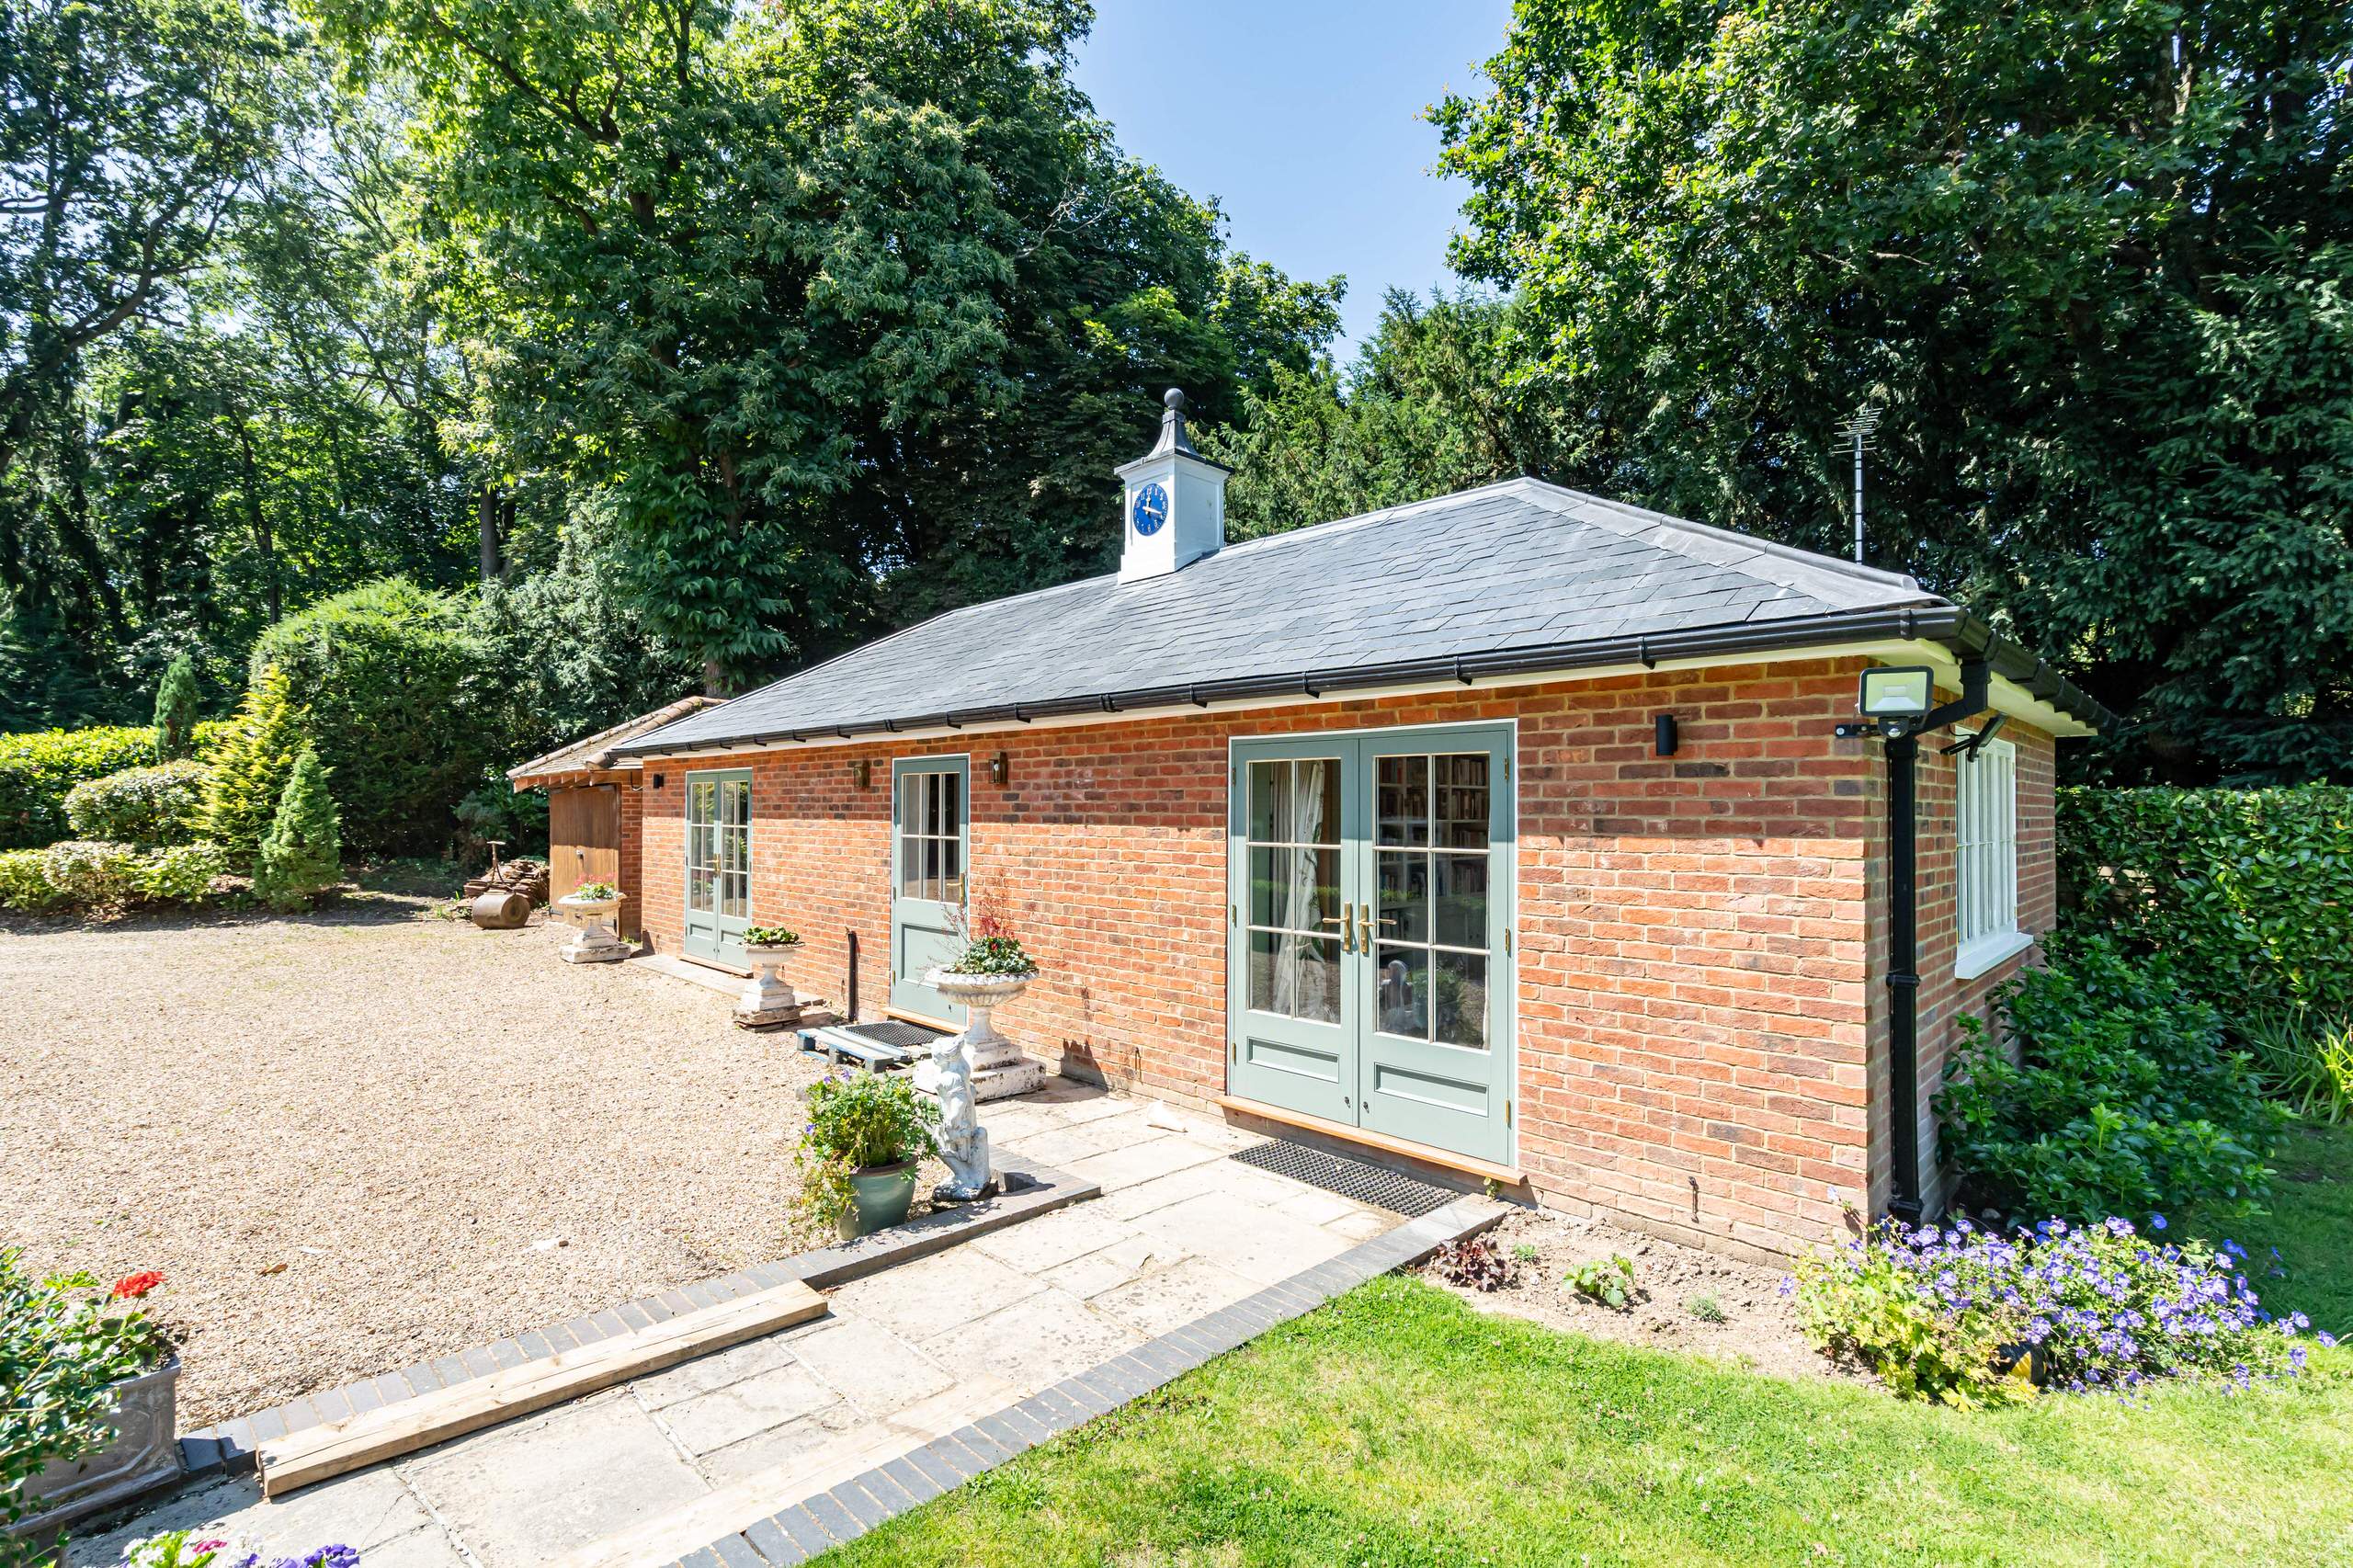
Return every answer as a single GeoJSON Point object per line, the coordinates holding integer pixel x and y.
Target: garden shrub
{"type": "Point", "coordinates": [24, 881]}
{"type": "Point", "coordinates": [250, 766]}
{"type": "Point", "coordinates": [40, 768]}
{"type": "Point", "coordinates": [2124, 1097]}
{"type": "Point", "coordinates": [389, 674]}
{"type": "Point", "coordinates": [180, 873]}
{"type": "Point", "coordinates": [63, 1345]}
{"type": "Point", "coordinates": [176, 711]}
{"type": "Point", "coordinates": [163, 804]}
{"type": "Point", "coordinates": [91, 873]}
{"type": "Point", "coordinates": [302, 855]}
{"type": "Point", "coordinates": [2306, 1061]}
{"type": "Point", "coordinates": [1967, 1317]}
{"type": "Point", "coordinates": [2249, 893]}
{"type": "Point", "coordinates": [98, 878]}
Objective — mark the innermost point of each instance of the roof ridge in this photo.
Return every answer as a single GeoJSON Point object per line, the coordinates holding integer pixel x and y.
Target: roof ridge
{"type": "Point", "coordinates": [652, 719]}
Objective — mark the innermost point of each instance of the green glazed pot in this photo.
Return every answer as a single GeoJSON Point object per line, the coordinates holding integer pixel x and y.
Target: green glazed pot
{"type": "Point", "coordinates": [879, 1196]}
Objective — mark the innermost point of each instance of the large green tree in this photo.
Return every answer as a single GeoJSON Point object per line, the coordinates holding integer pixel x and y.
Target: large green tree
{"type": "Point", "coordinates": [844, 307]}
{"type": "Point", "coordinates": [2092, 260]}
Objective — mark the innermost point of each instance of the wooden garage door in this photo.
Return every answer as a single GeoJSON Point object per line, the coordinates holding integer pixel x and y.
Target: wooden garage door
{"type": "Point", "coordinates": [585, 839]}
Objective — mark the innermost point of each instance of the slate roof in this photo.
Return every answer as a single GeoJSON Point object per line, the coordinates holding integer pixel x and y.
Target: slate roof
{"type": "Point", "coordinates": [594, 750]}
{"type": "Point", "coordinates": [1477, 582]}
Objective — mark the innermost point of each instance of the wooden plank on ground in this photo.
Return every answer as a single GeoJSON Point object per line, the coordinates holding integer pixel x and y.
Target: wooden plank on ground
{"type": "Point", "coordinates": [316, 1453]}
{"type": "Point", "coordinates": [727, 1509]}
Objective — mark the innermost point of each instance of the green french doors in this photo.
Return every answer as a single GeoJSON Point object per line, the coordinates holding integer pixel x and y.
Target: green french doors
{"type": "Point", "coordinates": [718, 863]}
{"type": "Point", "coordinates": [1369, 978]}
{"type": "Point", "coordinates": [928, 856]}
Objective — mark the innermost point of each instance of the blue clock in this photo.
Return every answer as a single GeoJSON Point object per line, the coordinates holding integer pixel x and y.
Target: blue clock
{"type": "Point", "coordinates": [1151, 509]}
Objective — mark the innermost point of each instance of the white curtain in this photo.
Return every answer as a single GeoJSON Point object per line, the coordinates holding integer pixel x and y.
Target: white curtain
{"type": "Point", "coordinates": [1303, 823]}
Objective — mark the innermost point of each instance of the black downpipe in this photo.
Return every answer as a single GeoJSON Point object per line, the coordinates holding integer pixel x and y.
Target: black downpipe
{"type": "Point", "coordinates": [850, 986]}
{"type": "Point", "coordinates": [1902, 975]}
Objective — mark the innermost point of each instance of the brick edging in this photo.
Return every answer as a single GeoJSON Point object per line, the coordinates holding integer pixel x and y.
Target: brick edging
{"type": "Point", "coordinates": [228, 1447]}
{"type": "Point", "coordinates": [844, 1513]}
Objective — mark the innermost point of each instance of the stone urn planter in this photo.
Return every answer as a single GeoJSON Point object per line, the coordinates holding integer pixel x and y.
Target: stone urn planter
{"type": "Point", "coordinates": [594, 940]}
{"type": "Point", "coordinates": [145, 1454]}
{"type": "Point", "coordinates": [997, 1066]}
{"type": "Point", "coordinates": [879, 1198]}
{"type": "Point", "coordinates": [766, 999]}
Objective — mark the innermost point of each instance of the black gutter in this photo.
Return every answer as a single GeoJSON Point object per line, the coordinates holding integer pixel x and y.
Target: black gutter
{"type": "Point", "coordinates": [1967, 637]}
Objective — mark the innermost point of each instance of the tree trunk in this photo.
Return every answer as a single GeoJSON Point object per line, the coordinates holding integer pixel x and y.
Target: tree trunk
{"type": "Point", "coordinates": [487, 515]}
{"type": "Point", "coordinates": [264, 544]}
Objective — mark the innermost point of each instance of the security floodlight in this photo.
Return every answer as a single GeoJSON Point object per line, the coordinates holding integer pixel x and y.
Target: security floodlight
{"type": "Point", "coordinates": [1902, 692]}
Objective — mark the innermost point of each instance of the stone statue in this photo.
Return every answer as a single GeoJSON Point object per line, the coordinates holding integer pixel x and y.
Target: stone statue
{"type": "Point", "coordinates": [964, 1141]}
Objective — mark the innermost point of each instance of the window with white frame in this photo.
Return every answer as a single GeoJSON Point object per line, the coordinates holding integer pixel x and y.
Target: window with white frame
{"type": "Point", "coordinates": [1986, 857]}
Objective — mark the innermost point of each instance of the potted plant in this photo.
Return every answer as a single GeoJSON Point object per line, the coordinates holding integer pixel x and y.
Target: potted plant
{"type": "Point", "coordinates": [866, 1135]}
{"type": "Point", "coordinates": [87, 1420]}
{"type": "Point", "coordinates": [990, 970]}
{"type": "Point", "coordinates": [594, 907]}
{"type": "Point", "coordinates": [768, 1000]}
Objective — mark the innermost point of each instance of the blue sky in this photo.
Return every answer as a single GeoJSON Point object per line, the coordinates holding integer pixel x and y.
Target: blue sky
{"type": "Point", "coordinates": [1301, 117]}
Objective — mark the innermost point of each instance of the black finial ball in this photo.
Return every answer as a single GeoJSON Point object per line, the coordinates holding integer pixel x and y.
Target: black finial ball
{"type": "Point", "coordinates": [1174, 399]}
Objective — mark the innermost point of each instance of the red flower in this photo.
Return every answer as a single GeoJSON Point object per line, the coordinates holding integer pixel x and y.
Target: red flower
{"type": "Point", "coordinates": [130, 1287]}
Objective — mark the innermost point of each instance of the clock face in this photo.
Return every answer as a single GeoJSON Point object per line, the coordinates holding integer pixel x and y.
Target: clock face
{"type": "Point", "coordinates": [1151, 509]}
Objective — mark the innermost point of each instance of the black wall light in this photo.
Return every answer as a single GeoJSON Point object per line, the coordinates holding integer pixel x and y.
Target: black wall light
{"type": "Point", "coordinates": [998, 770]}
{"type": "Point", "coordinates": [861, 773]}
{"type": "Point", "coordinates": [1666, 742]}
{"type": "Point", "coordinates": [660, 780]}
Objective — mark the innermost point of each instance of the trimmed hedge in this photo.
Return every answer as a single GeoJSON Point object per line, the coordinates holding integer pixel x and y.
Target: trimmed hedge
{"type": "Point", "coordinates": [96, 877]}
{"type": "Point", "coordinates": [389, 676]}
{"type": "Point", "coordinates": [162, 804]}
{"type": "Point", "coordinates": [2248, 893]}
{"type": "Point", "coordinates": [39, 768]}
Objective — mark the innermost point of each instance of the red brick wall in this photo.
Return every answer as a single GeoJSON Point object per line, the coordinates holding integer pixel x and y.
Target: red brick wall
{"type": "Point", "coordinates": [1696, 1014]}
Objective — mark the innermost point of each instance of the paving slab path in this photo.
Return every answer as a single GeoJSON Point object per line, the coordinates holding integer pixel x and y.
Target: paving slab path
{"type": "Point", "coordinates": [657, 1469]}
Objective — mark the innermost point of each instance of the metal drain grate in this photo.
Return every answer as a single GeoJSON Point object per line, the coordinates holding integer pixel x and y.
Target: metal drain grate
{"type": "Point", "coordinates": [905, 1037]}
{"type": "Point", "coordinates": [1393, 1190]}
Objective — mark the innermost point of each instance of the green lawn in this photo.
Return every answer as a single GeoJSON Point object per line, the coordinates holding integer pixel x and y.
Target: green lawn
{"type": "Point", "coordinates": [2311, 1223]}
{"type": "Point", "coordinates": [1398, 1426]}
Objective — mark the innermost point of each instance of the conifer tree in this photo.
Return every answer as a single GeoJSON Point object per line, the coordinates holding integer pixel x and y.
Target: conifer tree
{"type": "Point", "coordinates": [176, 711]}
{"type": "Point", "coordinates": [249, 775]}
{"type": "Point", "coordinates": [302, 855]}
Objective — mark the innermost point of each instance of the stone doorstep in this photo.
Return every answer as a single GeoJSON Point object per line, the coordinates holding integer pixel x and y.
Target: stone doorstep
{"type": "Point", "coordinates": [851, 1508]}
{"type": "Point", "coordinates": [1031, 1190]}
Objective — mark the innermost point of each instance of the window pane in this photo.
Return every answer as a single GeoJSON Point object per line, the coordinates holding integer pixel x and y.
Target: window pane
{"type": "Point", "coordinates": [1269, 789]}
{"type": "Point", "coordinates": [911, 868]}
{"type": "Point", "coordinates": [910, 803]}
{"type": "Point", "coordinates": [1461, 804]}
{"type": "Point", "coordinates": [736, 800]}
{"type": "Point", "coordinates": [1297, 888]}
{"type": "Point", "coordinates": [1460, 999]}
{"type": "Point", "coordinates": [702, 801]}
{"type": "Point", "coordinates": [735, 894]}
{"type": "Point", "coordinates": [734, 849]}
{"type": "Point", "coordinates": [1402, 1004]}
{"type": "Point", "coordinates": [951, 804]}
{"type": "Point", "coordinates": [1402, 800]}
{"type": "Point", "coordinates": [1296, 976]}
{"type": "Point", "coordinates": [1403, 877]}
{"type": "Point", "coordinates": [698, 845]}
{"type": "Point", "coordinates": [931, 870]}
{"type": "Point", "coordinates": [700, 893]}
{"type": "Point", "coordinates": [951, 869]}
{"type": "Point", "coordinates": [1462, 900]}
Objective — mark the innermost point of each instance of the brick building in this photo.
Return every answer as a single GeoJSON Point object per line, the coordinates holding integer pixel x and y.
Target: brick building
{"type": "Point", "coordinates": [1505, 834]}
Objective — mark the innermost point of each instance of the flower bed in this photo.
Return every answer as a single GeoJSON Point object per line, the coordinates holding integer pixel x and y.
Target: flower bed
{"type": "Point", "coordinates": [1969, 1317]}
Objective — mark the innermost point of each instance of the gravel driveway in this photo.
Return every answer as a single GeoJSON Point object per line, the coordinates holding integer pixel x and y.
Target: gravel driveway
{"type": "Point", "coordinates": [372, 1137]}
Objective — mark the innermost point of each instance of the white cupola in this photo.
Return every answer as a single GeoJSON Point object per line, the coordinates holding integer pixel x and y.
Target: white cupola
{"type": "Point", "coordinates": [1174, 502]}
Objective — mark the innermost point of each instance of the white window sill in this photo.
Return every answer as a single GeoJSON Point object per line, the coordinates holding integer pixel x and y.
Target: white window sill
{"type": "Point", "coordinates": [1975, 958]}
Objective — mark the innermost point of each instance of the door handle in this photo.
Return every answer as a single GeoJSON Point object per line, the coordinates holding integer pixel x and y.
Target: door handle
{"type": "Point", "coordinates": [1364, 928]}
{"type": "Point", "coordinates": [1348, 942]}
